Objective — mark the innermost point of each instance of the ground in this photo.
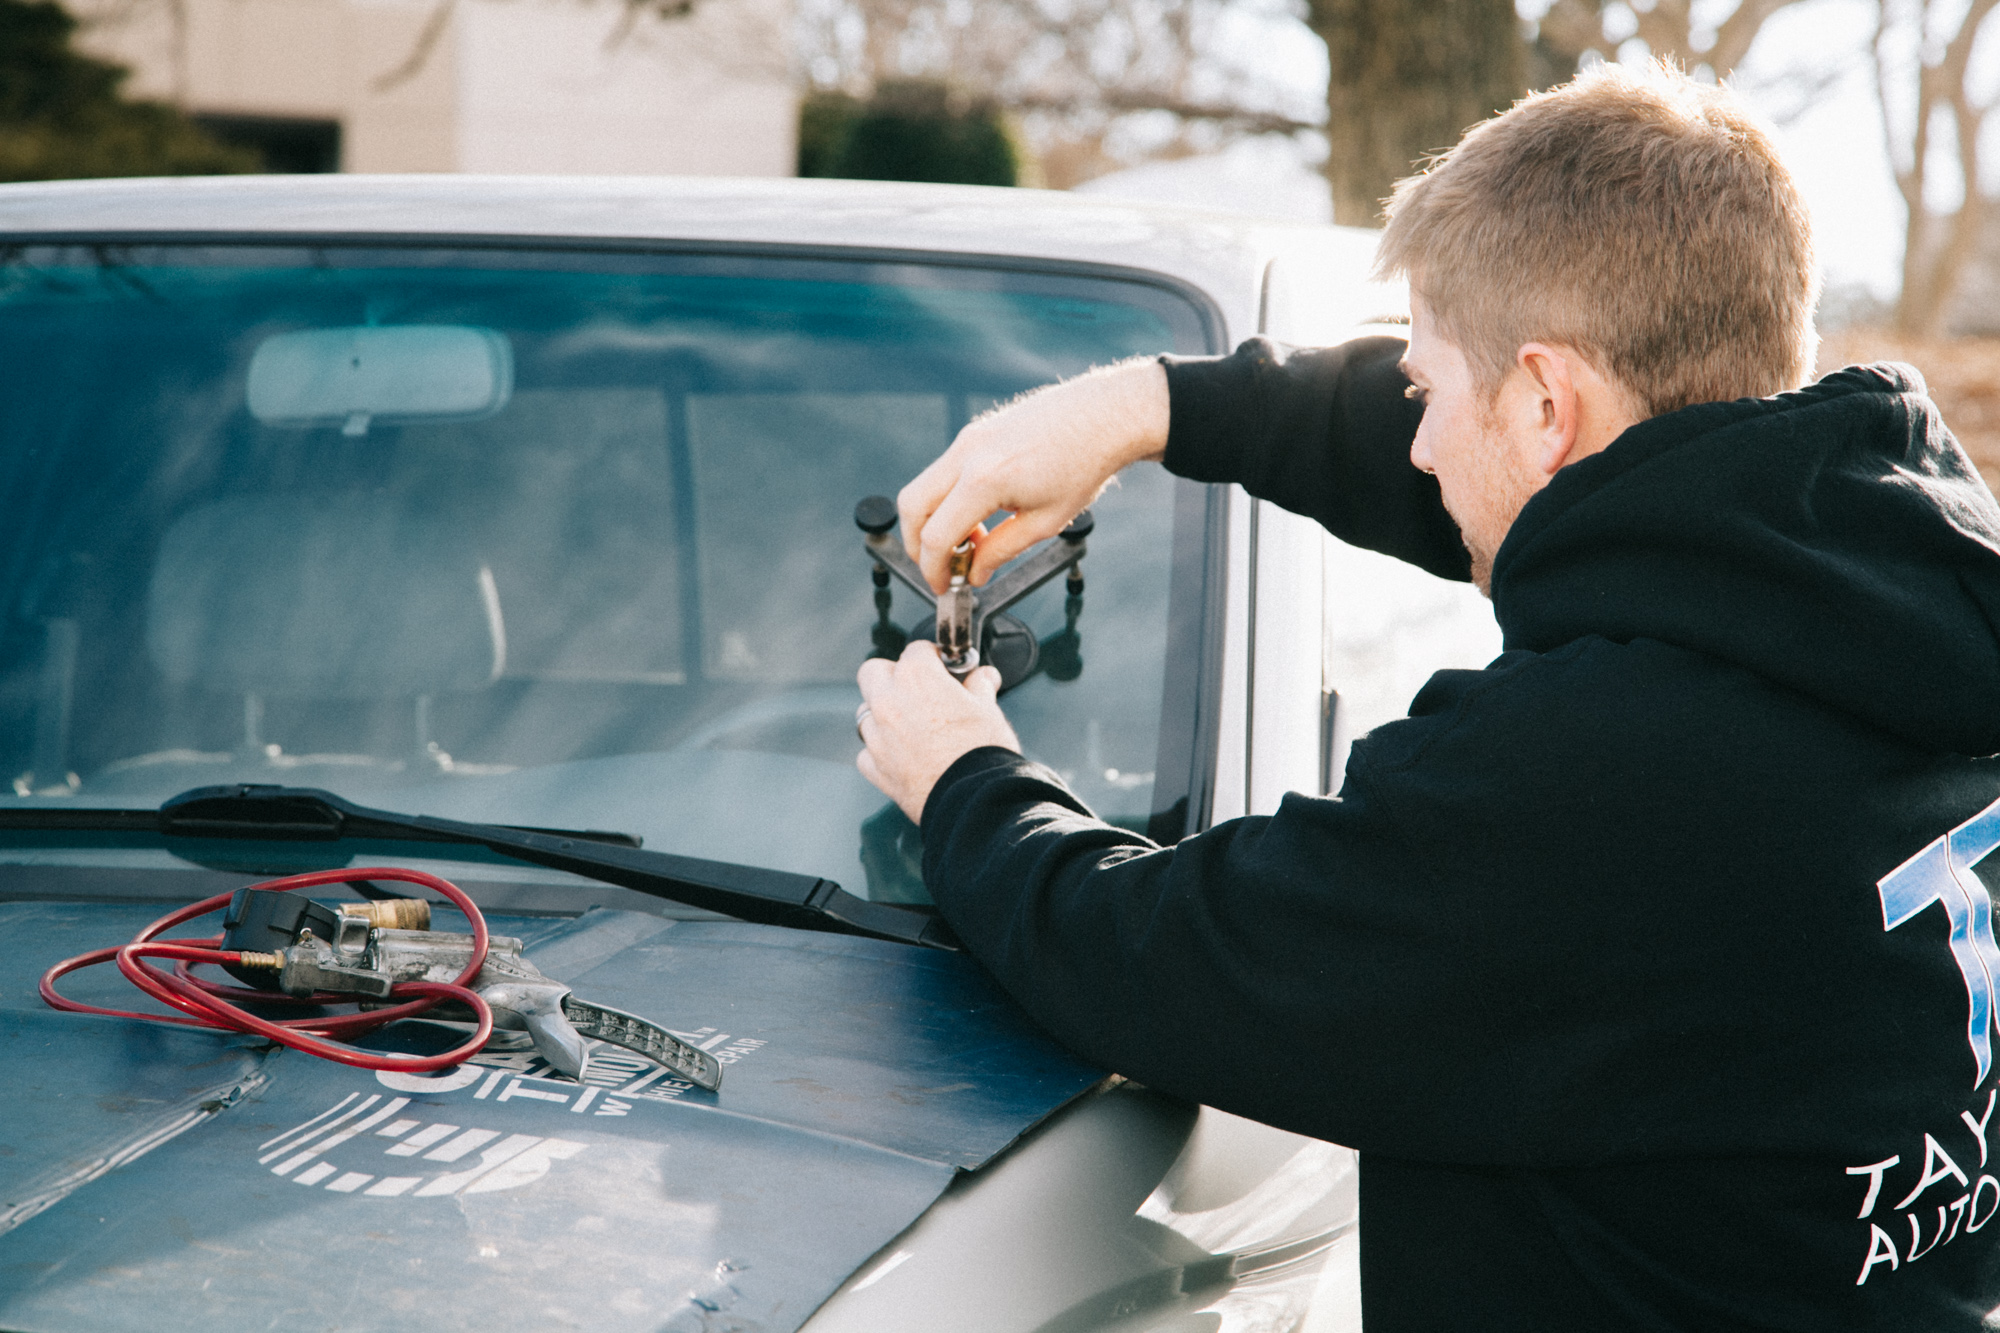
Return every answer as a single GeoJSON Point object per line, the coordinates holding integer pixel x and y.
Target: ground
{"type": "Point", "coordinates": [1963, 374]}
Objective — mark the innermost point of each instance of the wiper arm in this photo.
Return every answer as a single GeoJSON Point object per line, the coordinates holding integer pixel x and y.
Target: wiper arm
{"type": "Point", "coordinates": [307, 814]}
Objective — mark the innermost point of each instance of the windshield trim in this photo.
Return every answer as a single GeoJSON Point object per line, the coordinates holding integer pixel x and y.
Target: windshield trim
{"type": "Point", "coordinates": [1191, 700]}
{"type": "Point", "coordinates": [1214, 326]}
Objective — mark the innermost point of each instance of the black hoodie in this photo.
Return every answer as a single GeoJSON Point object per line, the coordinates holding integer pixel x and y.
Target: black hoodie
{"type": "Point", "coordinates": [1649, 968]}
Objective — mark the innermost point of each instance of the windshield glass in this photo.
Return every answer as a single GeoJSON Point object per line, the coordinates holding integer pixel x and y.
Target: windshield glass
{"type": "Point", "coordinates": [556, 539]}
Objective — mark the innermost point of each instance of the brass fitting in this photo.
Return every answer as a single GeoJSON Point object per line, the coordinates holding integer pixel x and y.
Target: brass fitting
{"type": "Point", "coordinates": [273, 961]}
{"type": "Point", "coordinates": [392, 913]}
{"type": "Point", "coordinates": [961, 561]}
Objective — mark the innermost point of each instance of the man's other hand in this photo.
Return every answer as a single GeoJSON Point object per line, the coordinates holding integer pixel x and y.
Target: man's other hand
{"type": "Point", "coordinates": [916, 720]}
{"type": "Point", "coordinates": [1043, 458]}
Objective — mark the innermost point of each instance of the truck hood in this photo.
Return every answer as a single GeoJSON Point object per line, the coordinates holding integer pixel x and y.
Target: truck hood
{"type": "Point", "coordinates": [161, 1179]}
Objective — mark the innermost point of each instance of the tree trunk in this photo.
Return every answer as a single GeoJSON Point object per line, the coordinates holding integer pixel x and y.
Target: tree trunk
{"type": "Point", "coordinates": [1407, 78]}
{"type": "Point", "coordinates": [1934, 265]}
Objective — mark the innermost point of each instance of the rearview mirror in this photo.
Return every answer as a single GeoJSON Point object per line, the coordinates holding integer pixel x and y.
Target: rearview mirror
{"type": "Point", "coordinates": [350, 377]}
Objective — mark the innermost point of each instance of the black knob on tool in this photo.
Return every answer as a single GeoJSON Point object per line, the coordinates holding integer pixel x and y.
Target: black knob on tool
{"type": "Point", "coordinates": [1079, 527]}
{"type": "Point", "coordinates": [875, 515]}
{"type": "Point", "coordinates": [269, 921]}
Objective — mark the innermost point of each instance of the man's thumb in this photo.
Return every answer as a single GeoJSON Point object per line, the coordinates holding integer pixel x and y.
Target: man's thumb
{"type": "Point", "coordinates": [985, 682]}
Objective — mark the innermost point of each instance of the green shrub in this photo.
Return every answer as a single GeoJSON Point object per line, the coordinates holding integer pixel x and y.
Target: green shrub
{"type": "Point", "coordinates": [908, 131]}
{"type": "Point", "coordinates": [62, 115]}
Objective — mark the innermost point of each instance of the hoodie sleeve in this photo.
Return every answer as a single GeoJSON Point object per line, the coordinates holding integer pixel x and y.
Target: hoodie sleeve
{"type": "Point", "coordinates": [1281, 968]}
{"type": "Point", "coordinates": [1324, 432]}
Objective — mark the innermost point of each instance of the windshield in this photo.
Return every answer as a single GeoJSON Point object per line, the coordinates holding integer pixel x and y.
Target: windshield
{"type": "Point", "coordinates": [544, 538]}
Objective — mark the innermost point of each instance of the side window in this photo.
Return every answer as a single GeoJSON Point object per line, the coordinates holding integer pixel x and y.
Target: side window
{"type": "Point", "coordinates": [1389, 627]}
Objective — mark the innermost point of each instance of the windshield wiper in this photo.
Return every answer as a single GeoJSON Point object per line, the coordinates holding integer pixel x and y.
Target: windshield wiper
{"type": "Point", "coordinates": [307, 814]}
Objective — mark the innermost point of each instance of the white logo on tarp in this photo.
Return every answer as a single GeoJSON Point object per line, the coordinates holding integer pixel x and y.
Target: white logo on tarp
{"type": "Point", "coordinates": [473, 1160]}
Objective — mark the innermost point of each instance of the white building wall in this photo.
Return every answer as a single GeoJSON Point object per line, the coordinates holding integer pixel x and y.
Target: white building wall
{"type": "Point", "coordinates": [510, 86]}
{"type": "Point", "coordinates": [544, 87]}
{"type": "Point", "coordinates": [316, 59]}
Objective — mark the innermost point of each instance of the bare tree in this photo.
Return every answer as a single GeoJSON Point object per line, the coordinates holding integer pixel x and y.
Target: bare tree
{"type": "Point", "coordinates": [1932, 120]}
{"type": "Point", "coordinates": [1669, 28]}
{"type": "Point", "coordinates": [1405, 79]}
{"type": "Point", "coordinates": [1409, 76]}
{"type": "Point", "coordinates": [1093, 83]}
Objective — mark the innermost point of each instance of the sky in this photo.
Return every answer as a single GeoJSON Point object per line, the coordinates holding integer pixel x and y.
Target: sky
{"type": "Point", "coordinates": [1835, 145]}
{"type": "Point", "coordinates": [1830, 135]}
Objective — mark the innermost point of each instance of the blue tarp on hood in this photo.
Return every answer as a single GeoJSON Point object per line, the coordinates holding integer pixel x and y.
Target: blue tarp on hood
{"type": "Point", "coordinates": [162, 1179]}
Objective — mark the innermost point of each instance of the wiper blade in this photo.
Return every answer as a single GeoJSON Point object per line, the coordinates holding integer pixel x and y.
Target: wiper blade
{"type": "Point", "coordinates": [309, 821]}
{"type": "Point", "coordinates": [307, 814]}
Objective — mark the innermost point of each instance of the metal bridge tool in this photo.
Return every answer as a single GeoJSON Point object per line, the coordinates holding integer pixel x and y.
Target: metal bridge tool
{"type": "Point", "coordinates": [955, 610]}
{"type": "Point", "coordinates": [971, 624]}
{"type": "Point", "coordinates": [365, 948]}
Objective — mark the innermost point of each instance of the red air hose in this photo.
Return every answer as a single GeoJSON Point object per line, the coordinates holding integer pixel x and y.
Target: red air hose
{"type": "Point", "coordinates": [208, 1005]}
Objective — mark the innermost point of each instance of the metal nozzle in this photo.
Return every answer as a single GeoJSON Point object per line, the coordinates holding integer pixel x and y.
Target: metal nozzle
{"type": "Point", "coordinates": [392, 913]}
{"type": "Point", "coordinates": [954, 615]}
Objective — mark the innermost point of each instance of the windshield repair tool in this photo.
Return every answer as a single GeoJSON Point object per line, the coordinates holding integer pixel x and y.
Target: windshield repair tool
{"type": "Point", "coordinates": [970, 624]}
{"type": "Point", "coordinates": [292, 949]}
{"type": "Point", "coordinates": [955, 610]}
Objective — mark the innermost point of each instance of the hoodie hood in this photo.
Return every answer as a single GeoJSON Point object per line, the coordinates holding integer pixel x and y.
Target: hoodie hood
{"type": "Point", "coordinates": [1836, 541]}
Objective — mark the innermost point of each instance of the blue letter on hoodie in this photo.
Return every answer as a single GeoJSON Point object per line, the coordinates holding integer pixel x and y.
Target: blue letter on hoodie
{"type": "Point", "coordinates": [1942, 873]}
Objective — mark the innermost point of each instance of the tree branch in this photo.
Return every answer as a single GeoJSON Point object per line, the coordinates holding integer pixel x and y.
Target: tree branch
{"type": "Point", "coordinates": [1734, 35]}
{"type": "Point", "coordinates": [1909, 178]}
{"type": "Point", "coordinates": [420, 50]}
{"type": "Point", "coordinates": [1125, 102]}
{"type": "Point", "coordinates": [1924, 301]}
{"type": "Point", "coordinates": [1666, 29]}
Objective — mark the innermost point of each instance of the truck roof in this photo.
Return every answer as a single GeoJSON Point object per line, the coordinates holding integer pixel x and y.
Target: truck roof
{"type": "Point", "coordinates": [1224, 254]}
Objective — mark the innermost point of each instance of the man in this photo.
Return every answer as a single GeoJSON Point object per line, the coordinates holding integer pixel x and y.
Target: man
{"type": "Point", "coordinates": [1648, 968]}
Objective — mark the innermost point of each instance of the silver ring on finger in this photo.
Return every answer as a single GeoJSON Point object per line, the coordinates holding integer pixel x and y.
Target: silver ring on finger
{"type": "Point", "coordinates": [861, 714]}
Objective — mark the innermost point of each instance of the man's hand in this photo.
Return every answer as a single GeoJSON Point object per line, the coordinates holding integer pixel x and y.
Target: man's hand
{"type": "Point", "coordinates": [1043, 458]}
{"type": "Point", "coordinates": [916, 721]}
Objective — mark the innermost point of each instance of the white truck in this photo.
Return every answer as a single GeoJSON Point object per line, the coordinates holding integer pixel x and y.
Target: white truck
{"type": "Point", "coordinates": [528, 505]}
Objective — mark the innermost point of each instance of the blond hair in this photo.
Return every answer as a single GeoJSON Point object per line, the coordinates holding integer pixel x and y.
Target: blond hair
{"type": "Point", "coordinates": [1633, 214]}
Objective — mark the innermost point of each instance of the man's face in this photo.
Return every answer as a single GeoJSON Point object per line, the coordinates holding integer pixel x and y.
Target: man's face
{"type": "Point", "coordinates": [1468, 442]}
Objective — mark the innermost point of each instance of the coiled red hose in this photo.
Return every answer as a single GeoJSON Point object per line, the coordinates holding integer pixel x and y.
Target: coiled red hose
{"type": "Point", "coordinates": [208, 1005]}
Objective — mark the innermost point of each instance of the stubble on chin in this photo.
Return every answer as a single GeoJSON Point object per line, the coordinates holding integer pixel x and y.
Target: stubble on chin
{"type": "Point", "coordinates": [1485, 509]}
{"type": "Point", "coordinates": [1482, 556]}
{"type": "Point", "coordinates": [1482, 570]}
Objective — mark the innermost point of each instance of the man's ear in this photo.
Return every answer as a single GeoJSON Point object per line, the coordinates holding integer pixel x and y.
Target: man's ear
{"type": "Point", "coordinates": [1557, 409]}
